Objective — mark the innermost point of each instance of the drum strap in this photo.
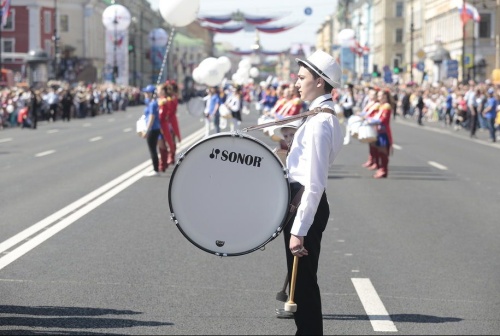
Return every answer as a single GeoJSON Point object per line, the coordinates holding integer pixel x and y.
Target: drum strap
{"type": "Point", "coordinates": [294, 205]}
{"type": "Point", "coordinates": [290, 119]}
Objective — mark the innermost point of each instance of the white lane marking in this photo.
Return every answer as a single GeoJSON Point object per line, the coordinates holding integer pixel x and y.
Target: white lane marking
{"type": "Point", "coordinates": [96, 139]}
{"type": "Point", "coordinates": [398, 147]}
{"type": "Point", "coordinates": [52, 131]}
{"type": "Point", "coordinates": [45, 153]}
{"type": "Point", "coordinates": [77, 209]}
{"type": "Point", "coordinates": [126, 130]}
{"type": "Point", "coordinates": [374, 308]}
{"type": "Point", "coordinates": [437, 165]}
{"type": "Point", "coordinates": [6, 139]}
{"type": "Point", "coordinates": [70, 208]}
{"type": "Point", "coordinates": [37, 240]}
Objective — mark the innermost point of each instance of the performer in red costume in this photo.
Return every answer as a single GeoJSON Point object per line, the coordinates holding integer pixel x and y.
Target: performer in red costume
{"type": "Point", "coordinates": [383, 145]}
{"type": "Point", "coordinates": [166, 107]}
{"type": "Point", "coordinates": [173, 118]}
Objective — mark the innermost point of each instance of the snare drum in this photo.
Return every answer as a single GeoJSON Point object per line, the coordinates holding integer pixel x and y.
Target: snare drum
{"type": "Point", "coordinates": [229, 194]}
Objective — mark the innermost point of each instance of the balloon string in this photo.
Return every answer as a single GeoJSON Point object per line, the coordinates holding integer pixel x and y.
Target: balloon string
{"type": "Point", "coordinates": [170, 39]}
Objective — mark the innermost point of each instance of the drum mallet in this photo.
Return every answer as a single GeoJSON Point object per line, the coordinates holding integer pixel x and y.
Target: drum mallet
{"type": "Point", "coordinates": [291, 306]}
{"type": "Point", "coordinates": [282, 296]}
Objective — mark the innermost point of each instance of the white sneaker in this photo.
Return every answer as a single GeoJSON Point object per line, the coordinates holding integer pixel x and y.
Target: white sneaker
{"type": "Point", "coordinates": [152, 174]}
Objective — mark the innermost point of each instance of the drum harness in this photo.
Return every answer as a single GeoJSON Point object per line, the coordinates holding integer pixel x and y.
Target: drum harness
{"type": "Point", "coordinates": [294, 204]}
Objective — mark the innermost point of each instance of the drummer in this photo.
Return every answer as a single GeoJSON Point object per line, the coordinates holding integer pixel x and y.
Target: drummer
{"type": "Point", "coordinates": [315, 146]}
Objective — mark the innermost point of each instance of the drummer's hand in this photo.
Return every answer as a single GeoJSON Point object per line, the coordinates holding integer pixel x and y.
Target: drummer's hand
{"type": "Point", "coordinates": [297, 246]}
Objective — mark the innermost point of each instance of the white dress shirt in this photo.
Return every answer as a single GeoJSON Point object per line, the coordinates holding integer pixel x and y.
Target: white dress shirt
{"type": "Point", "coordinates": [315, 146]}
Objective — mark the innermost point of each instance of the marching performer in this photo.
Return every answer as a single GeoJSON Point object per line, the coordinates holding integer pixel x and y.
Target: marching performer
{"type": "Point", "coordinates": [315, 146]}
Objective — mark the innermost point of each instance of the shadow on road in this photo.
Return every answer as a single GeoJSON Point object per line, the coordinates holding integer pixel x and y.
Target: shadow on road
{"type": "Point", "coordinates": [395, 173]}
{"type": "Point", "coordinates": [413, 318]}
{"type": "Point", "coordinates": [67, 318]}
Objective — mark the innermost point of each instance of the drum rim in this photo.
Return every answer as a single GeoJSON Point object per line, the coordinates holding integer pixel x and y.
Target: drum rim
{"type": "Point", "coordinates": [276, 233]}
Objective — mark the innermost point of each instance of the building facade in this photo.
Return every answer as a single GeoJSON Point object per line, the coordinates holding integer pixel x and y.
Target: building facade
{"type": "Point", "coordinates": [71, 32]}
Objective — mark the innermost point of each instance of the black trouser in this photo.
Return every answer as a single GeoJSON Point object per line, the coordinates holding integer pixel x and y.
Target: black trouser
{"type": "Point", "coordinates": [473, 120]}
{"type": "Point", "coordinates": [53, 111]}
{"type": "Point", "coordinates": [152, 140]}
{"type": "Point", "coordinates": [420, 115]}
{"type": "Point", "coordinates": [309, 316]}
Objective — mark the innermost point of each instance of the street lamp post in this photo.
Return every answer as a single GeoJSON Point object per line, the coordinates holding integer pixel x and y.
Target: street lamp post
{"type": "Point", "coordinates": [134, 51]}
{"type": "Point", "coordinates": [55, 38]}
{"type": "Point", "coordinates": [412, 27]}
{"type": "Point", "coordinates": [115, 63]}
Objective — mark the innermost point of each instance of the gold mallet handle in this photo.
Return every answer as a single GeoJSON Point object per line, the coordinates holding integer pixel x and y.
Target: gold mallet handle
{"type": "Point", "coordinates": [291, 306]}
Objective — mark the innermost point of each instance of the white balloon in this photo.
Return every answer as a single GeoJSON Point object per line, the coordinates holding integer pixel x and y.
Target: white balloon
{"type": "Point", "coordinates": [245, 64]}
{"type": "Point", "coordinates": [116, 17]}
{"type": "Point", "coordinates": [198, 75]}
{"type": "Point", "coordinates": [158, 37]}
{"type": "Point", "coordinates": [209, 62]}
{"type": "Point", "coordinates": [236, 79]}
{"type": "Point", "coordinates": [345, 35]}
{"type": "Point", "coordinates": [224, 63]}
{"type": "Point", "coordinates": [213, 77]}
{"type": "Point", "coordinates": [179, 13]}
{"type": "Point", "coordinates": [254, 72]}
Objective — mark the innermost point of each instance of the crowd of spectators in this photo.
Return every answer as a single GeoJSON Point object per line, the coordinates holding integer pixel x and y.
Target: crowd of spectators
{"type": "Point", "coordinates": [25, 107]}
{"type": "Point", "coordinates": [461, 107]}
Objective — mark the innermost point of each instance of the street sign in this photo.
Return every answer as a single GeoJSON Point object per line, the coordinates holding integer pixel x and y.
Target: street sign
{"type": "Point", "coordinates": [469, 60]}
{"type": "Point", "coordinates": [420, 66]}
{"type": "Point", "coordinates": [420, 53]}
{"type": "Point", "coordinates": [387, 75]}
{"type": "Point", "coordinates": [451, 67]}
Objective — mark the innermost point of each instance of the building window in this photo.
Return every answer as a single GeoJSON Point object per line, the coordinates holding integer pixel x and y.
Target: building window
{"type": "Point", "coordinates": [400, 9]}
{"type": "Point", "coordinates": [396, 62]}
{"type": "Point", "coordinates": [8, 46]}
{"type": "Point", "coordinates": [63, 23]}
{"type": "Point", "coordinates": [399, 35]}
{"type": "Point", "coordinates": [47, 46]}
{"type": "Point", "coordinates": [485, 26]}
{"type": "Point", "coordinates": [47, 22]}
{"type": "Point", "coordinates": [11, 20]}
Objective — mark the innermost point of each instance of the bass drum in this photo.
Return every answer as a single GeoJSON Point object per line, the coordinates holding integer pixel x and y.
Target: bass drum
{"type": "Point", "coordinates": [229, 194]}
{"type": "Point", "coordinates": [196, 107]}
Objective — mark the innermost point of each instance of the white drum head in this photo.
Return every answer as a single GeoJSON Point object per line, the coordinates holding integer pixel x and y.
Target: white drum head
{"type": "Point", "coordinates": [196, 106]}
{"type": "Point", "coordinates": [229, 194]}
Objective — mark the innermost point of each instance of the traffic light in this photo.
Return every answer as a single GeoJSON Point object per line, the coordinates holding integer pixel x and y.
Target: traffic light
{"type": "Point", "coordinates": [397, 70]}
{"type": "Point", "coordinates": [131, 47]}
{"type": "Point", "coordinates": [375, 72]}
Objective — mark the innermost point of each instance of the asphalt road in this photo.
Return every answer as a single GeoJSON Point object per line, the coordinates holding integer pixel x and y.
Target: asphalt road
{"type": "Point", "coordinates": [87, 246]}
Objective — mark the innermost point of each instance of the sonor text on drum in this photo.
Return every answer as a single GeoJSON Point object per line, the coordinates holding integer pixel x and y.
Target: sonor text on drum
{"type": "Point", "coordinates": [247, 159]}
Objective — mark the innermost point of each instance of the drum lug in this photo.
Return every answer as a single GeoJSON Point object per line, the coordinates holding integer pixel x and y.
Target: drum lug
{"type": "Point", "coordinates": [173, 219]}
{"type": "Point", "coordinates": [286, 172]}
{"type": "Point", "coordinates": [237, 133]}
{"type": "Point", "coordinates": [263, 248]}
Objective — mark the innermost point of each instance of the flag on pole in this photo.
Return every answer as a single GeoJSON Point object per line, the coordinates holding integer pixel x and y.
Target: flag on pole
{"type": "Point", "coordinates": [4, 12]}
{"type": "Point", "coordinates": [468, 12]}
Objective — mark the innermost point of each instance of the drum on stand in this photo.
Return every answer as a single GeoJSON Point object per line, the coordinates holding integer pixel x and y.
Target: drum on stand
{"type": "Point", "coordinates": [196, 106]}
{"type": "Point", "coordinates": [229, 194]}
{"type": "Point", "coordinates": [353, 124]}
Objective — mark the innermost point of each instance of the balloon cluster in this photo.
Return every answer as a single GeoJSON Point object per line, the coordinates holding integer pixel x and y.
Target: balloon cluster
{"type": "Point", "coordinates": [211, 70]}
{"type": "Point", "coordinates": [245, 72]}
{"type": "Point", "coordinates": [179, 13]}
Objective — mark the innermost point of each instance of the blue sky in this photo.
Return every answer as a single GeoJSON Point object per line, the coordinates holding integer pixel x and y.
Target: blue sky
{"type": "Point", "coordinates": [292, 13]}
